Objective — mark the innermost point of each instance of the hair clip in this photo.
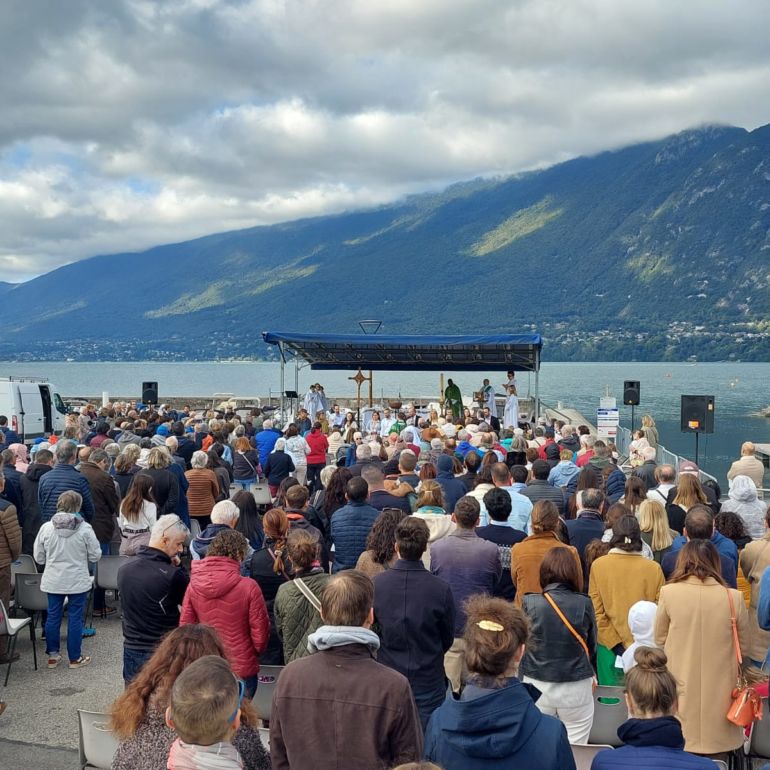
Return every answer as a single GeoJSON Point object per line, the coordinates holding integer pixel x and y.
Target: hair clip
{"type": "Point", "coordinates": [489, 625]}
{"type": "Point", "coordinates": [627, 540]}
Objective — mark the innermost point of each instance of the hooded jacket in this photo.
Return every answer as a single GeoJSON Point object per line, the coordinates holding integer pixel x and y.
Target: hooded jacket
{"type": "Point", "coordinates": [498, 729]}
{"type": "Point", "coordinates": [650, 744]}
{"type": "Point", "coordinates": [66, 545]}
{"type": "Point", "coordinates": [440, 525]}
{"type": "Point", "coordinates": [743, 500]}
{"type": "Point", "coordinates": [219, 597]}
{"type": "Point", "coordinates": [641, 624]}
{"type": "Point", "coordinates": [10, 534]}
{"type": "Point", "coordinates": [31, 517]}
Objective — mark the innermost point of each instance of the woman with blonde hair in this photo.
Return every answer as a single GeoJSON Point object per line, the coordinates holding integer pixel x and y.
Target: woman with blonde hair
{"type": "Point", "coordinates": [482, 727]}
{"type": "Point", "coordinates": [689, 492]}
{"type": "Point", "coordinates": [653, 524]}
{"type": "Point", "coordinates": [696, 624]}
{"type": "Point", "coordinates": [431, 509]}
{"type": "Point", "coordinates": [650, 431]}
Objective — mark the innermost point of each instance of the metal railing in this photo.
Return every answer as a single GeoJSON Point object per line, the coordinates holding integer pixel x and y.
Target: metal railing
{"type": "Point", "coordinates": [663, 456]}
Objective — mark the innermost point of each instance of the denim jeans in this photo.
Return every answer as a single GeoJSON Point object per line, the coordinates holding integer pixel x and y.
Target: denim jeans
{"type": "Point", "coordinates": [76, 608]}
{"type": "Point", "coordinates": [133, 660]}
{"type": "Point", "coordinates": [246, 484]}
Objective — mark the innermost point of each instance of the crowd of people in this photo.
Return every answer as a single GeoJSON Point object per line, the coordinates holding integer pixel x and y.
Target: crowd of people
{"type": "Point", "coordinates": [439, 589]}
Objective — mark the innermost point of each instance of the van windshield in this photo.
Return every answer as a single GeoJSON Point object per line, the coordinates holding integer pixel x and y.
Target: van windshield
{"type": "Point", "coordinates": [59, 404]}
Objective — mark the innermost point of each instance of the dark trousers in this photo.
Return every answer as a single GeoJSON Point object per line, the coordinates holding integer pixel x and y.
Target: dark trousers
{"type": "Point", "coordinates": [314, 476]}
{"type": "Point", "coordinates": [76, 606]}
{"type": "Point", "coordinates": [427, 702]}
{"type": "Point", "coordinates": [133, 660]}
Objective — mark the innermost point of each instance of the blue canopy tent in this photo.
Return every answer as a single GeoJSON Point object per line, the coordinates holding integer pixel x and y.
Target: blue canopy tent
{"type": "Point", "coordinates": [477, 352]}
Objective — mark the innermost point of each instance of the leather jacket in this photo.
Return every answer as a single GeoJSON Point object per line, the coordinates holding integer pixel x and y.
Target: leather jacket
{"type": "Point", "coordinates": [553, 654]}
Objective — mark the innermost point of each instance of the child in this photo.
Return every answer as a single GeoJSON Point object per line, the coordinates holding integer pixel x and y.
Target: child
{"type": "Point", "coordinates": [641, 624]}
{"type": "Point", "coordinates": [205, 711]}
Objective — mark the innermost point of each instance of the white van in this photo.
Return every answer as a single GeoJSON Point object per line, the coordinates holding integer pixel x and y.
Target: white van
{"type": "Point", "coordinates": [33, 407]}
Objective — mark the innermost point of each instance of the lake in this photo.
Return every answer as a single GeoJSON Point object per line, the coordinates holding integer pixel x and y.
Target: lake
{"type": "Point", "coordinates": [740, 390]}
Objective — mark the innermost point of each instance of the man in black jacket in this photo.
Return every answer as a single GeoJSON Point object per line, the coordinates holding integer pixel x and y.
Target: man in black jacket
{"type": "Point", "coordinates": [31, 517]}
{"type": "Point", "coordinates": [415, 614]}
{"type": "Point", "coordinates": [152, 586]}
{"type": "Point", "coordinates": [539, 488]}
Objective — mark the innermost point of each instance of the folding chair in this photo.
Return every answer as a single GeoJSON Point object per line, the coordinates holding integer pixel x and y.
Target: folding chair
{"type": "Point", "coordinates": [11, 627]}
{"type": "Point", "coordinates": [31, 598]}
{"type": "Point", "coordinates": [96, 743]}
{"type": "Point", "coordinates": [263, 697]}
{"type": "Point", "coordinates": [584, 754]}
{"type": "Point", "coordinates": [758, 744]}
{"type": "Point", "coordinates": [610, 712]}
{"type": "Point", "coordinates": [107, 571]}
{"type": "Point", "coordinates": [195, 528]}
{"type": "Point", "coordinates": [264, 737]}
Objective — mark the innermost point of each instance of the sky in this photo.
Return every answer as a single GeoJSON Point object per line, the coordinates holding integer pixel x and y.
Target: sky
{"type": "Point", "coordinates": [129, 123]}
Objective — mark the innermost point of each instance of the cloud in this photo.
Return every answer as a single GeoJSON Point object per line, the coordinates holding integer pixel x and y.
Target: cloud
{"type": "Point", "coordinates": [132, 122]}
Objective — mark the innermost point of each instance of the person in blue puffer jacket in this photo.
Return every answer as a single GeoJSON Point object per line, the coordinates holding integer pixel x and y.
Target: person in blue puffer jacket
{"type": "Point", "coordinates": [494, 723]}
{"type": "Point", "coordinates": [652, 736]}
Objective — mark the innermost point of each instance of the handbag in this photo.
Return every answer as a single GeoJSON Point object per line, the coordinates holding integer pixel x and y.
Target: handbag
{"type": "Point", "coordinates": [582, 642]}
{"type": "Point", "coordinates": [747, 705]}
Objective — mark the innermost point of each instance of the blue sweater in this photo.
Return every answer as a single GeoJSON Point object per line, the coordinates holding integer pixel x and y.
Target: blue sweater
{"type": "Point", "coordinates": [650, 744]}
{"type": "Point", "coordinates": [496, 730]}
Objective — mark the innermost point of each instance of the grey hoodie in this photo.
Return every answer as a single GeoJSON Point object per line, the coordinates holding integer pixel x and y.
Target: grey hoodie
{"type": "Point", "coordinates": [66, 544]}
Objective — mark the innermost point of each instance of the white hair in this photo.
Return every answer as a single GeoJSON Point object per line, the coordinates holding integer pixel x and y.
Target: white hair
{"type": "Point", "coordinates": [363, 452]}
{"type": "Point", "coordinates": [199, 459]}
{"type": "Point", "coordinates": [436, 443]}
{"type": "Point", "coordinates": [168, 523]}
{"type": "Point", "coordinates": [172, 443]}
{"type": "Point", "coordinates": [225, 512]}
{"type": "Point", "coordinates": [648, 453]}
{"type": "Point", "coordinates": [267, 424]}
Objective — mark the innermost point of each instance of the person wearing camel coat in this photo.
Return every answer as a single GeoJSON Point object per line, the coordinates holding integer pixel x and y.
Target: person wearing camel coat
{"type": "Point", "coordinates": [526, 558]}
{"type": "Point", "coordinates": [693, 626]}
{"type": "Point", "coordinates": [754, 560]}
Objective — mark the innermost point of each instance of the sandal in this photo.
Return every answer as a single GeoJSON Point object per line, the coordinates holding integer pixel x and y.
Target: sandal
{"type": "Point", "coordinates": [80, 662]}
{"type": "Point", "coordinates": [54, 660]}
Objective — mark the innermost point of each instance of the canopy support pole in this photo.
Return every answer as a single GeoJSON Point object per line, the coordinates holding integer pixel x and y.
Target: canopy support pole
{"type": "Point", "coordinates": [537, 386]}
{"type": "Point", "coordinates": [283, 375]}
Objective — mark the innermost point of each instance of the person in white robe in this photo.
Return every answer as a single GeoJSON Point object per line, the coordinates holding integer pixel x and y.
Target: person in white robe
{"type": "Point", "coordinates": [511, 414]}
{"type": "Point", "coordinates": [488, 392]}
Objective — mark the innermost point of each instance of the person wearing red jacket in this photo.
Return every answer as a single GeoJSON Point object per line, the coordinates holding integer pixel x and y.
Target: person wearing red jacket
{"type": "Point", "coordinates": [233, 605]}
{"type": "Point", "coordinates": [316, 460]}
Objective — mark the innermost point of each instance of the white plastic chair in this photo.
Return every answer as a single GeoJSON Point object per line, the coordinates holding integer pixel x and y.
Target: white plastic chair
{"type": "Point", "coordinates": [24, 565]}
{"type": "Point", "coordinates": [262, 494]}
{"type": "Point", "coordinates": [263, 697]}
{"type": "Point", "coordinates": [584, 754]}
{"type": "Point", "coordinates": [96, 743]}
{"type": "Point", "coordinates": [608, 716]}
{"type": "Point", "coordinates": [11, 627]}
{"type": "Point", "coordinates": [195, 528]}
{"type": "Point", "coordinates": [264, 737]}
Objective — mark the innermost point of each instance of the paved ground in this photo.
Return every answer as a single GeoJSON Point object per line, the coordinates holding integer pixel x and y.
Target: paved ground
{"type": "Point", "coordinates": [39, 728]}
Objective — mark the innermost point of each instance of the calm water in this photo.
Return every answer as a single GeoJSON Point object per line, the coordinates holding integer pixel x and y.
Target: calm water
{"type": "Point", "coordinates": [740, 390]}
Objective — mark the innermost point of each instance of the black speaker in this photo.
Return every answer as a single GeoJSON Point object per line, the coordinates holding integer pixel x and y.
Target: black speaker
{"type": "Point", "coordinates": [697, 414]}
{"type": "Point", "coordinates": [631, 389]}
{"type": "Point", "coordinates": [149, 392]}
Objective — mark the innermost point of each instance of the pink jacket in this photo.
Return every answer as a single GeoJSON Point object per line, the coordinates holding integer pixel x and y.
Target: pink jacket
{"type": "Point", "coordinates": [219, 597]}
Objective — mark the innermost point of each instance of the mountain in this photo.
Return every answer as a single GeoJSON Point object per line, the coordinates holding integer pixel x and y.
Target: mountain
{"type": "Point", "coordinates": [656, 251]}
